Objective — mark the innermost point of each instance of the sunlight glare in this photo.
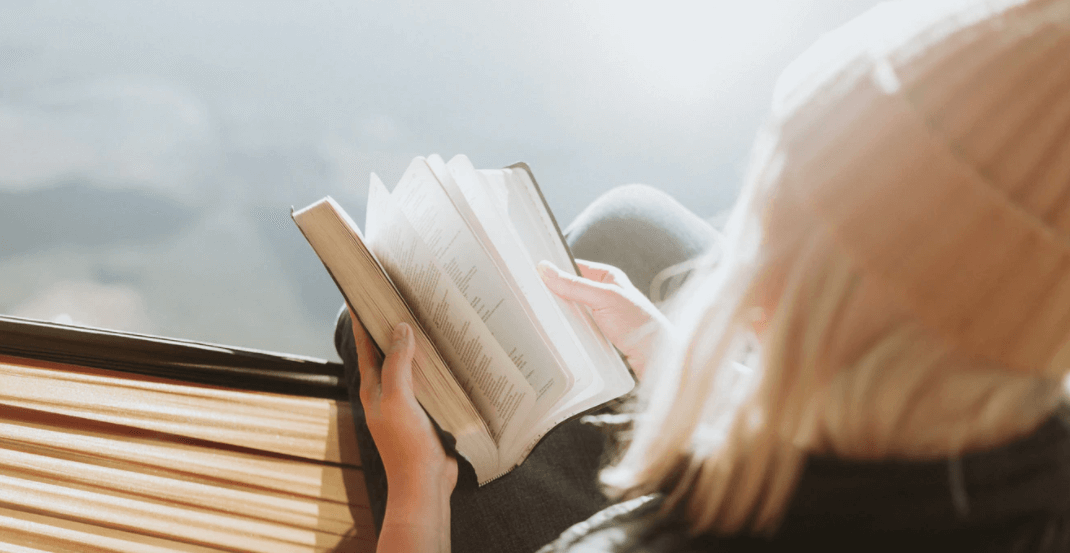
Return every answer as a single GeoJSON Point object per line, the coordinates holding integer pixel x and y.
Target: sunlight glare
{"type": "Point", "coordinates": [686, 52]}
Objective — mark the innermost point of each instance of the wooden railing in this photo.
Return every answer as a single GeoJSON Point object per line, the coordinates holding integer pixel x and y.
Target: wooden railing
{"type": "Point", "coordinates": [117, 442]}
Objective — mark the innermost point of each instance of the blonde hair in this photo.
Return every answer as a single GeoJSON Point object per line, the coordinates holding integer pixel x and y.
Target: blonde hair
{"type": "Point", "coordinates": [901, 243]}
{"type": "Point", "coordinates": [841, 369]}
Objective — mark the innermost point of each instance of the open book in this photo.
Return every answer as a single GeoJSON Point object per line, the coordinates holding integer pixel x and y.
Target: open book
{"type": "Point", "coordinates": [500, 360]}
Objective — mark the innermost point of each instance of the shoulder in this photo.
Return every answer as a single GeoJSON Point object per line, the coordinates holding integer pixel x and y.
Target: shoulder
{"type": "Point", "coordinates": [612, 529]}
{"type": "Point", "coordinates": [628, 527]}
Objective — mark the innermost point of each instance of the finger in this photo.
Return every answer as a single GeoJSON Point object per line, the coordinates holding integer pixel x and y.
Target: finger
{"type": "Point", "coordinates": [397, 367]}
{"type": "Point", "coordinates": [571, 287]}
{"type": "Point", "coordinates": [602, 272]}
{"type": "Point", "coordinates": [592, 270]}
{"type": "Point", "coordinates": [367, 357]}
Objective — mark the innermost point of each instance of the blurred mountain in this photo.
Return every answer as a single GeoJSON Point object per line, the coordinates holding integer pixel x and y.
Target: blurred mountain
{"type": "Point", "coordinates": [78, 214]}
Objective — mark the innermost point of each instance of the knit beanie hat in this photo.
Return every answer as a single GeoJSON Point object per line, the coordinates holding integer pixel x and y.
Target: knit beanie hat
{"type": "Point", "coordinates": [937, 150]}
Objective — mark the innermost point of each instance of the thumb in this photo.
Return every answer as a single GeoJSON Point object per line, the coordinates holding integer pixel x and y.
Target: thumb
{"type": "Point", "coordinates": [574, 288]}
{"type": "Point", "coordinates": [397, 367]}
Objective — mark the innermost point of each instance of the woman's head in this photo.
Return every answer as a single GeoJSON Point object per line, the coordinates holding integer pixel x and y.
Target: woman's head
{"type": "Point", "coordinates": [903, 245]}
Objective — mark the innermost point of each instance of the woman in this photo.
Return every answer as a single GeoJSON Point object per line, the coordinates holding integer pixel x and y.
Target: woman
{"type": "Point", "coordinates": [897, 271]}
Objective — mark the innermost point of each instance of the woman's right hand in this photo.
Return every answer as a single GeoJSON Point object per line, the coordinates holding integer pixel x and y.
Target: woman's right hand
{"type": "Point", "coordinates": [625, 315]}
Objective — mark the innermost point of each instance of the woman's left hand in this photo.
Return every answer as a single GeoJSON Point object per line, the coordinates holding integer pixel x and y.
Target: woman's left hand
{"type": "Point", "coordinates": [420, 474]}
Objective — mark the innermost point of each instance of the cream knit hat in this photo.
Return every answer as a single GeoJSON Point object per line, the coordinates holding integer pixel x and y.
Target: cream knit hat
{"type": "Point", "coordinates": [938, 151]}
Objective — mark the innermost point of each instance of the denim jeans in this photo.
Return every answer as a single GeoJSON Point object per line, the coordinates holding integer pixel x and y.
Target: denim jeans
{"type": "Point", "coordinates": [637, 228]}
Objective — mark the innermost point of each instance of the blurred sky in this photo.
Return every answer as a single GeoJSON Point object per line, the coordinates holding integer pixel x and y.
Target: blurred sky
{"type": "Point", "coordinates": [150, 150]}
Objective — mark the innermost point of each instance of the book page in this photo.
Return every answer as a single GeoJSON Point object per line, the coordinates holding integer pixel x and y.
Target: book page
{"type": "Point", "coordinates": [546, 344]}
{"type": "Point", "coordinates": [434, 216]}
{"type": "Point", "coordinates": [484, 370]}
{"type": "Point", "coordinates": [517, 195]}
{"type": "Point", "coordinates": [547, 308]}
{"type": "Point", "coordinates": [514, 197]}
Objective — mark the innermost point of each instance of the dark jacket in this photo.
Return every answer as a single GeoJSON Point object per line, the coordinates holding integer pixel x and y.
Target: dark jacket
{"type": "Point", "coordinates": [1015, 498]}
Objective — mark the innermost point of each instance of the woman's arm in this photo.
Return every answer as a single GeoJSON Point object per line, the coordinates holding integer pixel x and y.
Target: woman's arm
{"type": "Point", "coordinates": [420, 475]}
{"type": "Point", "coordinates": [417, 518]}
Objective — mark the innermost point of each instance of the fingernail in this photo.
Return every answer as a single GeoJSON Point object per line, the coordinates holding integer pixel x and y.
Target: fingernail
{"type": "Point", "coordinates": [546, 269]}
{"type": "Point", "coordinates": [399, 339]}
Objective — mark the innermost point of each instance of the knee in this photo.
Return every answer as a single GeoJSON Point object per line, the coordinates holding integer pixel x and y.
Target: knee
{"type": "Point", "coordinates": [638, 215]}
{"type": "Point", "coordinates": [343, 332]}
{"type": "Point", "coordinates": [639, 229]}
{"type": "Point", "coordinates": [629, 201]}
{"type": "Point", "coordinates": [623, 209]}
